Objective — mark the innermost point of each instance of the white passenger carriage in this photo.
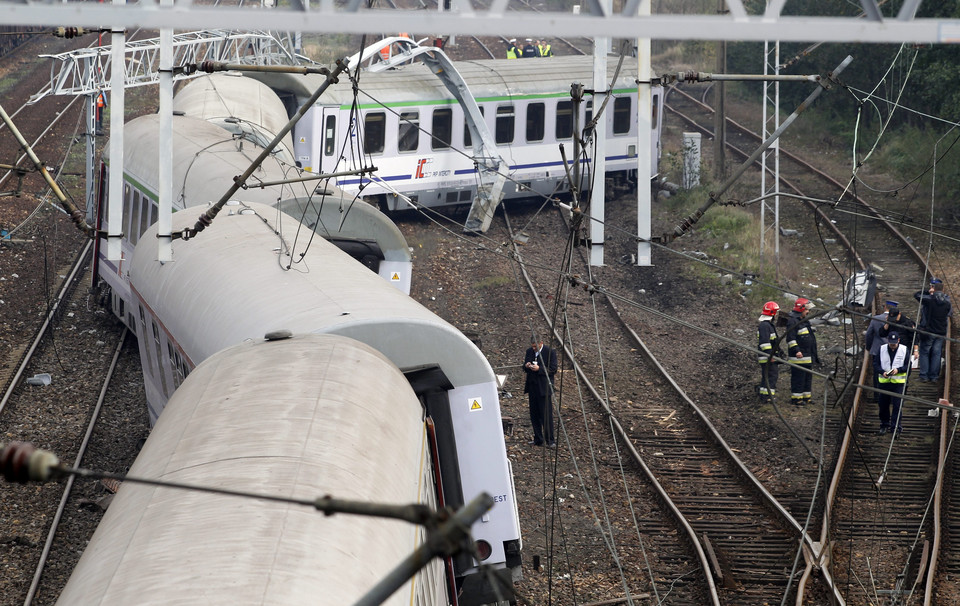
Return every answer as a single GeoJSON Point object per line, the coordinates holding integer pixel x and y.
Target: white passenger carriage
{"type": "Point", "coordinates": [407, 124]}
{"type": "Point", "coordinates": [215, 138]}
{"type": "Point", "coordinates": [299, 418]}
{"type": "Point", "coordinates": [284, 257]}
{"type": "Point", "coordinates": [230, 284]}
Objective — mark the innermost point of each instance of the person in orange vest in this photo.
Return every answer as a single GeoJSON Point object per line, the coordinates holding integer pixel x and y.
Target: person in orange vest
{"type": "Point", "coordinates": [98, 115]}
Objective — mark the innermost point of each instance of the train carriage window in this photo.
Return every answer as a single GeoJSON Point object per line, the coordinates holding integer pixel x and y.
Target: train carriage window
{"type": "Point", "coordinates": [564, 119]}
{"type": "Point", "coordinates": [408, 133]}
{"type": "Point", "coordinates": [621, 115]}
{"type": "Point", "coordinates": [127, 202]}
{"type": "Point", "coordinates": [374, 132]}
{"type": "Point", "coordinates": [442, 128]}
{"type": "Point", "coordinates": [329, 136]}
{"type": "Point", "coordinates": [535, 121]}
{"type": "Point", "coordinates": [159, 350]}
{"type": "Point", "coordinates": [145, 214]}
{"type": "Point", "coordinates": [142, 334]}
{"type": "Point", "coordinates": [467, 139]}
{"type": "Point", "coordinates": [153, 212]}
{"type": "Point", "coordinates": [134, 229]}
{"type": "Point", "coordinates": [656, 110]}
{"type": "Point", "coordinates": [506, 124]}
{"type": "Point", "coordinates": [589, 113]}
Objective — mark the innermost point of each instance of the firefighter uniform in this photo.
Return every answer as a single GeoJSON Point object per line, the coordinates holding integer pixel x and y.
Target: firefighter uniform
{"type": "Point", "coordinates": [767, 343]}
{"type": "Point", "coordinates": [800, 339]}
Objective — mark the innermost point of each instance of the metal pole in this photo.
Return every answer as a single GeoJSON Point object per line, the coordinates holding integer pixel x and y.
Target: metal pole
{"type": "Point", "coordinates": [598, 172]}
{"type": "Point", "coordinates": [691, 220]}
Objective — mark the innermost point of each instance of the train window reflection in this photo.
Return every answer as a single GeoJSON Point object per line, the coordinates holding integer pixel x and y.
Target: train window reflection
{"type": "Point", "coordinates": [135, 214]}
{"type": "Point", "coordinates": [329, 135]}
{"type": "Point", "coordinates": [145, 214]}
{"type": "Point", "coordinates": [506, 121]}
{"type": "Point", "coordinates": [127, 201]}
{"type": "Point", "coordinates": [467, 139]}
{"type": "Point", "coordinates": [374, 132]}
{"type": "Point", "coordinates": [621, 115]}
{"type": "Point", "coordinates": [408, 134]}
{"type": "Point", "coordinates": [442, 128]}
{"type": "Point", "coordinates": [535, 120]}
{"type": "Point", "coordinates": [564, 119]}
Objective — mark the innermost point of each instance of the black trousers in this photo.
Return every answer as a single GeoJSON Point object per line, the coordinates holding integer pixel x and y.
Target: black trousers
{"type": "Point", "coordinates": [801, 382]}
{"type": "Point", "coordinates": [541, 418]}
{"type": "Point", "coordinates": [890, 418]}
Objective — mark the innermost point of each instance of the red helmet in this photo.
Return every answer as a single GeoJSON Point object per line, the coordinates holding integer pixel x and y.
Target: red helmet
{"type": "Point", "coordinates": [803, 304]}
{"type": "Point", "coordinates": [770, 308]}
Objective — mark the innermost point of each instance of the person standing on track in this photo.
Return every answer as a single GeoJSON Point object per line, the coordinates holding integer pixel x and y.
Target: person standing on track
{"type": "Point", "coordinates": [935, 308]}
{"type": "Point", "coordinates": [540, 365]}
{"type": "Point", "coordinates": [873, 342]}
{"type": "Point", "coordinates": [768, 345]}
{"type": "Point", "coordinates": [544, 49]}
{"type": "Point", "coordinates": [894, 362]}
{"type": "Point", "coordinates": [801, 351]}
{"type": "Point", "coordinates": [899, 323]}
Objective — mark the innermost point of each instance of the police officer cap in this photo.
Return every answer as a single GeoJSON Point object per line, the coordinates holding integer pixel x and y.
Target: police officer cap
{"type": "Point", "coordinates": [513, 39]}
{"type": "Point", "coordinates": [893, 337]}
{"type": "Point", "coordinates": [936, 281]}
{"type": "Point", "coordinates": [892, 305]}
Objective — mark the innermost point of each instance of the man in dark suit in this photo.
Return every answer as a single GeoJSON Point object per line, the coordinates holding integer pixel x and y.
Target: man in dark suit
{"type": "Point", "coordinates": [540, 365]}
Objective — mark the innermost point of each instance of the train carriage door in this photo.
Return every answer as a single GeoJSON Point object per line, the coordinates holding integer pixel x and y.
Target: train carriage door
{"type": "Point", "coordinates": [307, 140]}
{"type": "Point", "coordinates": [328, 160]}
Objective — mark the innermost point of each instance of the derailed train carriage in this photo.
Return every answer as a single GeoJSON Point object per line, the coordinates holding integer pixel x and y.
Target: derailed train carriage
{"type": "Point", "coordinates": [412, 129]}
{"type": "Point", "coordinates": [374, 398]}
{"type": "Point", "coordinates": [220, 124]}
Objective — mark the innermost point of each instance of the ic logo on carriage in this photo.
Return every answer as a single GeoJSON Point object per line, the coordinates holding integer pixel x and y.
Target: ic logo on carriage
{"type": "Point", "coordinates": [422, 162]}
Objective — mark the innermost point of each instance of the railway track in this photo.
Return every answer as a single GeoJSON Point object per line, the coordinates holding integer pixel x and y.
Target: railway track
{"type": "Point", "coordinates": [53, 326]}
{"type": "Point", "coordinates": [882, 509]}
{"type": "Point", "coordinates": [746, 541]}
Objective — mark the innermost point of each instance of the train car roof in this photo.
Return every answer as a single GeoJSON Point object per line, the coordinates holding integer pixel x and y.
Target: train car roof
{"type": "Point", "coordinates": [303, 417]}
{"type": "Point", "coordinates": [488, 80]}
{"type": "Point", "coordinates": [241, 105]}
{"type": "Point", "coordinates": [232, 283]}
{"type": "Point", "coordinates": [200, 178]}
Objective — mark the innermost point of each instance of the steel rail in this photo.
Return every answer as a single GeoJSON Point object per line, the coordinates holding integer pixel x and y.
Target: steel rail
{"type": "Point", "coordinates": [942, 468]}
{"type": "Point", "coordinates": [68, 488]}
{"type": "Point", "coordinates": [65, 288]}
{"type": "Point", "coordinates": [865, 363]}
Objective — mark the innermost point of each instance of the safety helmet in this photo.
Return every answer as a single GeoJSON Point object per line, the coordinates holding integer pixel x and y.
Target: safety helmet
{"type": "Point", "coordinates": [770, 308]}
{"type": "Point", "coordinates": [803, 304]}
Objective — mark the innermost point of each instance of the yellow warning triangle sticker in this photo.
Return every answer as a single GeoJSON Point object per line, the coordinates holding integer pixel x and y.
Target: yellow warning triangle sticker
{"type": "Point", "coordinates": [395, 276]}
{"type": "Point", "coordinates": [475, 404]}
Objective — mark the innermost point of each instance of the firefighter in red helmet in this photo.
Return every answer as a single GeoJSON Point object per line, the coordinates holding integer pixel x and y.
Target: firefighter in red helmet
{"type": "Point", "coordinates": [801, 351]}
{"type": "Point", "coordinates": [768, 349]}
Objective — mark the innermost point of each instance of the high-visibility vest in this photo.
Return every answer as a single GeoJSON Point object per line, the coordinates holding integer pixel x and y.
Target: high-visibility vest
{"type": "Point", "coordinates": [513, 52]}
